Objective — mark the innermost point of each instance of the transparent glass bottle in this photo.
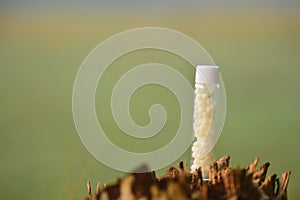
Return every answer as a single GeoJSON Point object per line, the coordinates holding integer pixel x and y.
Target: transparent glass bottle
{"type": "Point", "coordinates": [207, 92]}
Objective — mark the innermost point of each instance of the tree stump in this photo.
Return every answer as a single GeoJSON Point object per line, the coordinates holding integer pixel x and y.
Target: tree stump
{"type": "Point", "coordinates": [179, 183]}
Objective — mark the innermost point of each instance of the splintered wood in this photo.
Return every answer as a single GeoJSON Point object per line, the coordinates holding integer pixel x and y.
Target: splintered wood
{"type": "Point", "coordinates": [178, 183]}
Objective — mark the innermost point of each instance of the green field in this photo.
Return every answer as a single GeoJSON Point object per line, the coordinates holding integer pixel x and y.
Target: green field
{"type": "Point", "coordinates": [41, 154]}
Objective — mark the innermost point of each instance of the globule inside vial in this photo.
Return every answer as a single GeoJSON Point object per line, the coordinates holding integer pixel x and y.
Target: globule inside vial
{"type": "Point", "coordinates": [204, 126]}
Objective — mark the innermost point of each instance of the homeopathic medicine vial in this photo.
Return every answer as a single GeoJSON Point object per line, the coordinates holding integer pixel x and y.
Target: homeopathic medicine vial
{"type": "Point", "coordinates": [205, 127]}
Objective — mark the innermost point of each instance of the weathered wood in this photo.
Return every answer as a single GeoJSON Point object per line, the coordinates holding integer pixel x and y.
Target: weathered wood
{"type": "Point", "coordinates": [179, 183]}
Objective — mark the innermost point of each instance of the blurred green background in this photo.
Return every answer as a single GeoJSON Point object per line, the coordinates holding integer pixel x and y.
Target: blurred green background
{"type": "Point", "coordinates": [42, 45]}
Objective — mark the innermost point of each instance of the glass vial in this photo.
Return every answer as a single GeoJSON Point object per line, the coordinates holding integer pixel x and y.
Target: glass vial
{"type": "Point", "coordinates": [205, 112]}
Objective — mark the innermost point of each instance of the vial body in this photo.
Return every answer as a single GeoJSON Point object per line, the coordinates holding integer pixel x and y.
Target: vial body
{"type": "Point", "coordinates": [206, 97]}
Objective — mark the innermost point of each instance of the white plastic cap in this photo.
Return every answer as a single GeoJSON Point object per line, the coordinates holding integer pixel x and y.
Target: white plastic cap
{"type": "Point", "coordinates": [207, 74]}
